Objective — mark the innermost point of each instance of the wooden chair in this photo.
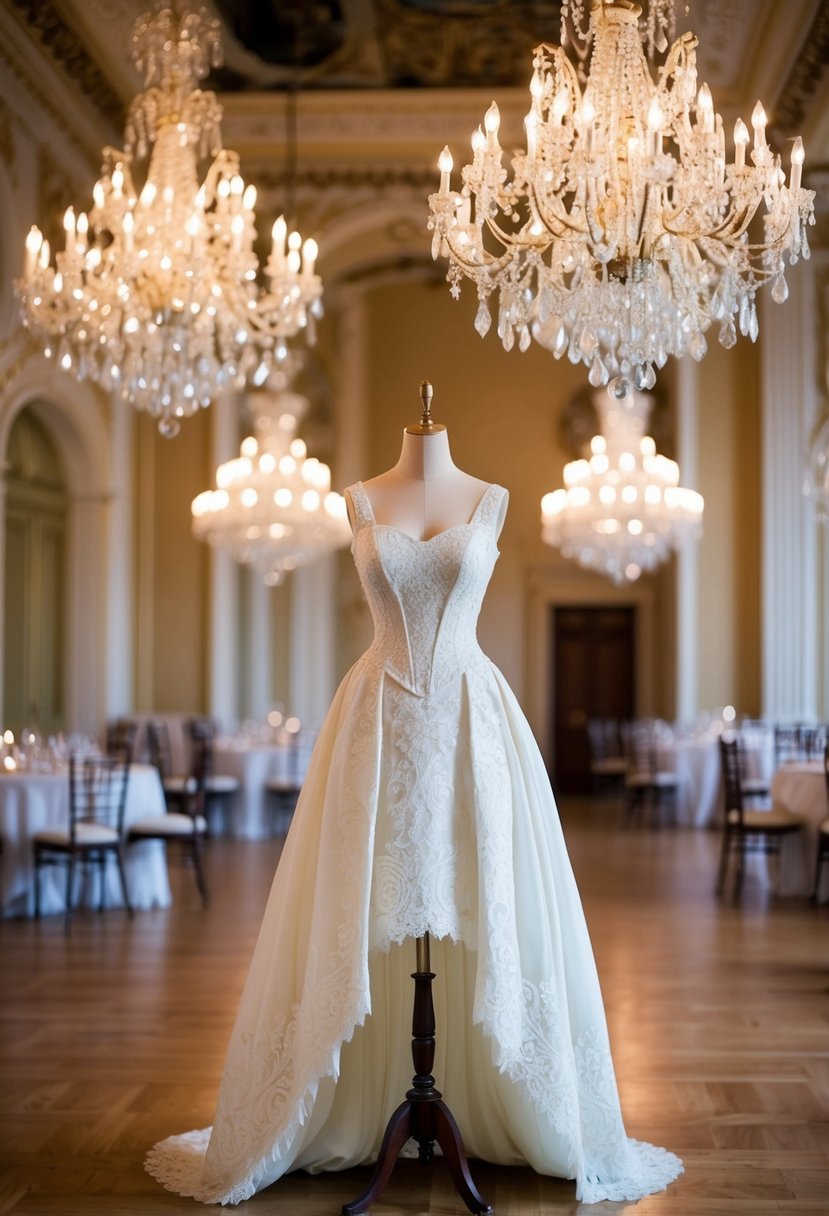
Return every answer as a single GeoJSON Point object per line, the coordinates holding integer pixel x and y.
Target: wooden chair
{"type": "Point", "coordinates": [178, 787]}
{"type": "Point", "coordinates": [608, 764]}
{"type": "Point", "coordinates": [754, 789]}
{"type": "Point", "coordinates": [220, 789]}
{"type": "Point", "coordinates": [95, 833]}
{"type": "Point", "coordinates": [747, 831]}
{"type": "Point", "coordinates": [185, 827]}
{"type": "Point", "coordinates": [823, 831]}
{"type": "Point", "coordinates": [120, 740]}
{"type": "Point", "coordinates": [648, 785]}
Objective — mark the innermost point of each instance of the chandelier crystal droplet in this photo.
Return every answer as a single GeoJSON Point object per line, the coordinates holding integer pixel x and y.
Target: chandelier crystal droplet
{"type": "Point", "coordinates": [625, 231]}
{"type": "Point", "coordinates": [155, 294]}
{"type": "Point", "coordinates": [273, 507]}
{"type": "Point", "coordinates": [622, 511]}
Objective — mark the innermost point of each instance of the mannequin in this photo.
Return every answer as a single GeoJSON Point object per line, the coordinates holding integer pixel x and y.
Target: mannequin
{"type": "Point", "coordinates": [425, 493]}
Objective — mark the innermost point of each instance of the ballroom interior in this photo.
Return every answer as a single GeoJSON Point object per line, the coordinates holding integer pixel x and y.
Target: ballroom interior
{"type": "Point", "coordinates": [113, 609]}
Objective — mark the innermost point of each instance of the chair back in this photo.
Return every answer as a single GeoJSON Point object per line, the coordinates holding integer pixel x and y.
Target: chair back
{"type": "Point", "coordinates": [640, 749]}
{"type": "Point", "coordinates": [826, 766]}
{"type": "Point", "coordinates": [788, 744]}
{"type": "Point", "coordinates": [732, 779]}
{"type": "Point", "coordinates": [121, 735]}
{"type": "Point", "coordinates": [201, 756]}
{"type": "Point", "coordinates": [97, 792]}
{"type": "Point", "coordinates": [813, 740]}
{"type": "Point", "coordinates": [202, 733]}
{"type": "Point", "coordinates": [161, 755]}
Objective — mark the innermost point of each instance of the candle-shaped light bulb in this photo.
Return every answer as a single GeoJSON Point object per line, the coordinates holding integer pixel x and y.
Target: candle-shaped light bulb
{"type": "Point", "coordinates": [34, 240]}
{"type": "Point", "coordinates": [798, 157]}
{"type": "Point", "coordinates": [492, 121]}
{"type": "Point", "coordinates": [128, 226]}
{"type": "Point", "coordinates": [478, 141]}
{"type": "Point", "coordinates": [309, 256]}
{"type": "Point", "coordinates": [445, 163]}
{"type": "Point", "coordinates": [531, 128]}
{"type": "Point", "coordinates": [294, 241]}
{"type": "Point", "coordinates": [237, 186]}
{"type": "Point", "coordinates": [293, 261]}
{"type": "Point", "coordinates": [740, 141]}
{"type": "Point", "coordinates": [705, 110]}
{"type": "Point", "coordinates": [561, 104]}
{"type": "Point", "coordinates": [69, 225]}
{"type": "Point", "coordinates": [758, 122]}
{"type": "Point", "coordinates": [82, 228]}
{"type": "Point", "coordinates": [655, 120]}
{"type": "Point", "coordinates": [536, 88]}
{"type": "Point", "coordinates": [117, 181]}
{"type": "Point", "coordinates": [45, 254]}
{"type": "Point", "coordinates": [147, 196]}
{"type": "Point", "coordinates": [249, 198]}
{"type": "Point", "coordinates": [98, 195]}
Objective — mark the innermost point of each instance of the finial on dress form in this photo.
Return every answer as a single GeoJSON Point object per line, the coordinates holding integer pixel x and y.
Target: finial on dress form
{"type": "Point", "coordinates": [426, 426]}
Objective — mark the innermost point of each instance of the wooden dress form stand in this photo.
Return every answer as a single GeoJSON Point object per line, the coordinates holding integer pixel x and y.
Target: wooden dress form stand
{"type": "Point", "coordinates": [423, 1116]}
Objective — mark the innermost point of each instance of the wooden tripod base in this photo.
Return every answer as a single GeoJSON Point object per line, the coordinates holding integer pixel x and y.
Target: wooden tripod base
{"type": "Point", "coordinates": [423, 1116]}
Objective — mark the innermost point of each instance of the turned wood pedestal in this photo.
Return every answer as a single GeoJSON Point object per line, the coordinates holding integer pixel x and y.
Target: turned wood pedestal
{"type": "Point", "coordinates": [423, 1115]}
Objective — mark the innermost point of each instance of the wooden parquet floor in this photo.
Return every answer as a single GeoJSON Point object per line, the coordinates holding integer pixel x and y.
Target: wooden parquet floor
{"type": "Point", "coordinates": [719, 1019]}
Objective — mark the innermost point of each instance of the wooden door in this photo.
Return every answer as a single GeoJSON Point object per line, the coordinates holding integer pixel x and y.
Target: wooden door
{"type": "Point", "coordinates": [593, 677]}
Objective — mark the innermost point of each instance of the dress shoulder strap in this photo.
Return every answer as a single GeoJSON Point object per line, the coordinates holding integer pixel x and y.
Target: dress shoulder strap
{"type": "Point", "coordinates": [493, 507]}
{"type": "Point", "coordinates": [361, 512]}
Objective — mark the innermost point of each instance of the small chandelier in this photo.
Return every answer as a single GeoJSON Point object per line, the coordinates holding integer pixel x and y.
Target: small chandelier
{"type": "Point", "coordinates": [155, 294]}
{"type": "Point", "coordinates": [273, 507]}
{"type": "Point", "coordinates": [623, 510]}
{"type": "Point", "coordinates": [624, 233]}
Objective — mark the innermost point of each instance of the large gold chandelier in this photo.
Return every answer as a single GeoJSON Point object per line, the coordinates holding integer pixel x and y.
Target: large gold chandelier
{"type": "Point", "coordinates": [625, 230]}
{"type": "Point", "coordinates": [155, 294]}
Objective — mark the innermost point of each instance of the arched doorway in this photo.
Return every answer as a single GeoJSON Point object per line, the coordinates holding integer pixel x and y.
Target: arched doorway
{"type": "Point", "coordinates": [34, 692]}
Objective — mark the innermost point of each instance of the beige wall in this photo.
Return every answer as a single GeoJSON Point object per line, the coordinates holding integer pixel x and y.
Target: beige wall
{"type": "Point", "coordinates": [172, 568]}
{"type": "Point", "coordinates": [729, 553]}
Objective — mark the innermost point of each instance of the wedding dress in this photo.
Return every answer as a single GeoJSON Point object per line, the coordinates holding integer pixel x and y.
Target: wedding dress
{"type": "Point", "coordinates": [426, 807]}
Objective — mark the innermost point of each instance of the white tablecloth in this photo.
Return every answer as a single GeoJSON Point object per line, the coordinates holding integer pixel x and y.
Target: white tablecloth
{"type": "Point", "coordinates": [801, 788]}
{"type": "Point", "coordinates": [30, 802]}
{"type": "Point", "coordinates": [253, 764]}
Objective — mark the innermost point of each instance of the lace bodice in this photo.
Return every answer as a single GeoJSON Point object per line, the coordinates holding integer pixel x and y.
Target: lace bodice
{"type": "Point", "coordinates": [425, 595]}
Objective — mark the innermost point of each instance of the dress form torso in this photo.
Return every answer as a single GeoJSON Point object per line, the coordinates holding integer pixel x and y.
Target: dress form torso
{"type": "Point", "coordinates": [425, 493]}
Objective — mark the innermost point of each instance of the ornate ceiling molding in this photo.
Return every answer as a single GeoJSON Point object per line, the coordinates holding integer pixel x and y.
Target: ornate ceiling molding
{"type": "Point", "coordinates": [805, 76]}
{"type": "Point", "coordinates": [63, 46]}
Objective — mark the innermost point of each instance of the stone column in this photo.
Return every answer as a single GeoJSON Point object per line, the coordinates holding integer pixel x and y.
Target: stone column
{"type": "Point", "coordinates": [687, 563]}
{"type": "Point", "coordinates": [790, 585]}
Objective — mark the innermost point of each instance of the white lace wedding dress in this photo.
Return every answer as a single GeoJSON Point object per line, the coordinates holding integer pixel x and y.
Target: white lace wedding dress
{"type": "Point", "coordinates": [426, 808]}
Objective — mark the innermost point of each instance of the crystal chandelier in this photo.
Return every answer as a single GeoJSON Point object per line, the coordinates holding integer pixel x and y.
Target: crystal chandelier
{"type": "Point", "coordinates": [273, 507]}
{"type": "Point", "coordinates": [622, 511]}
{"type": "Point", "coordinates": [155, 294]}
{"type": "Point", "coordinates": [624, 231]}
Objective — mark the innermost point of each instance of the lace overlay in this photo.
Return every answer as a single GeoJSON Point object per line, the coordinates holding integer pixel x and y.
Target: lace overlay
{"type": "Point", "coordinates": [426, 808]}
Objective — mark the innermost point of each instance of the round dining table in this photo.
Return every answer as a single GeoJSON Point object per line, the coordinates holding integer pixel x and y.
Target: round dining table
{"type": "Point", "coordinates": [33, 801]}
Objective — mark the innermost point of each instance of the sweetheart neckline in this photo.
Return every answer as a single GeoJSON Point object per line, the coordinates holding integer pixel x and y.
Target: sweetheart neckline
{"type": "Point", "coordinates": [425, 540]}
